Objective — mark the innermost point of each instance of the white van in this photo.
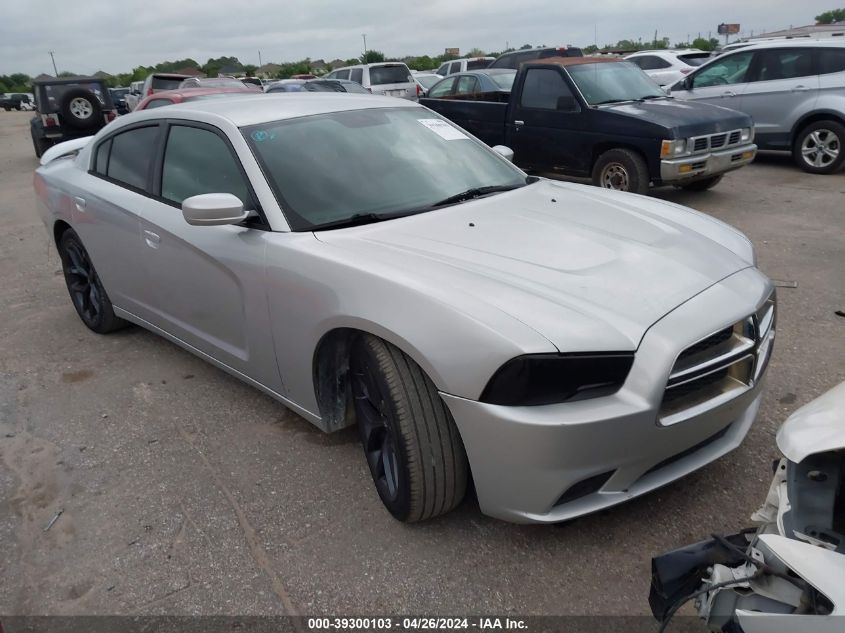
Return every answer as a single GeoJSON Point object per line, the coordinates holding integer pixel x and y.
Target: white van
{"type": "Point", "coordinates": [385, 78]}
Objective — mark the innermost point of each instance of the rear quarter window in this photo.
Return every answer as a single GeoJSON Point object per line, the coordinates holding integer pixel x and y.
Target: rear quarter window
{"type": "Point", "coordinates": [478, 64]}
{"type": "Point", "coordinates": [357, 75]}
{"type": "Point", "coordinates": [831, 60]}
{"type": "Point", "coordinates": [381, 75]}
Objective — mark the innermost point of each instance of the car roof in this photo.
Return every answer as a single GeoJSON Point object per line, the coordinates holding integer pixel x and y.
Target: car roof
{"type": "Point", "coordinates": [574, 61]}
{"type": "Point", "coordinates": [181, 93]}
{"type": "Point", "coordinates": [173, 75]}
{"type": "Point", "coordinates": [253, 108]}
{"type": "Point", "coordinates": [794, 43]}
{"type": "Point", "coordinates": [669, 51]}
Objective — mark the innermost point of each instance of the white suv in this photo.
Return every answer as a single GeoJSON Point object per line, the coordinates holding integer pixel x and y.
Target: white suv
{"type": "Point", "coordinates": [666, 67]}
{"type": "Point", "coordinates": [463, 65]}
{"type": "Point", "coordinates": [385, 78]}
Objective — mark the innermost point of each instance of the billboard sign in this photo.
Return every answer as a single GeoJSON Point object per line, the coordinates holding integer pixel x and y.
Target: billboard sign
{"type": "Point", "coordinates": [728, 29]}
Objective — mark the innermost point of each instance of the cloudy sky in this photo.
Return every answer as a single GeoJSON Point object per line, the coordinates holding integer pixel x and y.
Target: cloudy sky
{"type": "Point", "coordinates": [115, 35]}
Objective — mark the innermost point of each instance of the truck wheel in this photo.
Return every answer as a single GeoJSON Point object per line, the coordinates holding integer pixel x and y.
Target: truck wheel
{"type": "Point", "coordinates": [703, 184]}
{"type": "Point", "coordinates": [81, 109]}
{"type": "Point", "coordinates": [413, 449]}
{"type": "Point", "coordinates": [622, 170]}
{"type": "Point", "coordinates": [818, 147]}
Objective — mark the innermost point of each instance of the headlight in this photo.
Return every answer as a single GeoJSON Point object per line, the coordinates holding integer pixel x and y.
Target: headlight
{"type": "Point", "coordinates": [747, 134]}
{"type": "Point", "coordinates": [537, 379]}
{"type": "Point", "coordinates": [668, 149]}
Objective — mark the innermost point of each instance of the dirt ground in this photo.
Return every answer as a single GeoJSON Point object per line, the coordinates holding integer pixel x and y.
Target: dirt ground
{"type": "Point", "coordinates": [183, 491]}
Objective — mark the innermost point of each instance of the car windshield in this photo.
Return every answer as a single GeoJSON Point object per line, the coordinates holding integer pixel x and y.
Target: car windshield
{"type": "Point", "coordinates": [694, 59]}
{"type": "Point", "coordinates": [503, 80]}
{"type": "Point", "coordinates": [120, 92]}
{"type": "Point", "coordinates": [613, 82]}
{"type": "Point", "coordinates": [166, 83]}
{"type": "Point", "coordinates": [390, 161]}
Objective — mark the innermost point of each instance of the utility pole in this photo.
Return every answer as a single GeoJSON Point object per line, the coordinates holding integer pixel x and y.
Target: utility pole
{"type": "Point", "coordinates": [364, 35]}
{"type": "Point", "coordinates": [54, 64]}
{"type": "Point", "coordinates": [259, 60]}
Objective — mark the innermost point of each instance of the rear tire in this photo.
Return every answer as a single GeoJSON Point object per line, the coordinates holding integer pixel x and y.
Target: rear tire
{"type": "Point", "coordinates": [621, 170]}
{"type": "Point", "coordinates": [416, 457]}
{"type": "Point", "coordinates": [81, 109]}
{"type": "Point", "coordinates": [86, 291]}
{"type": "Point", "coordinates": [702, 185]}
{"type": "Point", "coordinates": [818, 147]}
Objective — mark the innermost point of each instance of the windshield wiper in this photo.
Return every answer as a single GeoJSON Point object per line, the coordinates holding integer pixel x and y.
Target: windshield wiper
{"type": "Point", "coordinates": [475, 192]}
{"type": "Point", "coordinates": [613, 101]}
{"type": "Point", "coordinates": [358, 219]}
{"type": "Point", "coordinates": [649, 97]}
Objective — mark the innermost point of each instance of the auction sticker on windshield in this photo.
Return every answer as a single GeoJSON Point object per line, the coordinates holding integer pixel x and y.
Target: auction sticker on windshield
{"type": "Point", "coordinates": [443, 129]}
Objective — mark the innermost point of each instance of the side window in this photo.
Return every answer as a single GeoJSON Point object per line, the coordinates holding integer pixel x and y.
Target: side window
{"type": "Point", "coordinates": [658, 63]}
{"type": "Point", "coordinates": [342, 74]}
{"type": "Point", "coordinates": [131, 155]}
{"type": "Point", "coordinates": [101, 162]}
{"type": "Point", "coordinates": [732, 69]}
{"type": "Point", "coordinates": [783, 63]}
{"type": "Point", "coordinates": [542, 89]}
{"type": "Point", "coordinates": [442, 88]}
{"type": "Point", "coordinates": [455, 68]}
{"type": "Point", "coordinates": [157, 103]}
{"type": "Point", "coordinates": [331, 75]}
{"type": "Point", "coordinates": [357, 75]}
{"type": "Point", "coordinates": [467, 85]}
{"type": "Point", "coordinates": [831, 60]}
{"type": "Point", "coordinates": [199, 161]}
{"type": "Point", "coordinates": [443, 70]}
{"type": "Point", "coordinates": [641, 61]}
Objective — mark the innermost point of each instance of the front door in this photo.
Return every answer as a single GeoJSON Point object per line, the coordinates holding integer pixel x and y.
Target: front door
{"type": "Point", "coordinates": [721, 82]}
{"type": "Point", "coordinates": [546, 122]}
{"type": "Point", "coordinates": [207, 282]}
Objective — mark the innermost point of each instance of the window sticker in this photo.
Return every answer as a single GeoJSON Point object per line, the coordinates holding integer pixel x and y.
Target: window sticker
{"type": "Point", "coordinates": [261, 135]}
{"type": "Point", "coordinates": [443, 129]}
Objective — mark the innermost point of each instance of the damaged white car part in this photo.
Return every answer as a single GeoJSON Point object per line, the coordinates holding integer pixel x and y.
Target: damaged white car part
{"type": "Point", "coordinates": [789, 573]}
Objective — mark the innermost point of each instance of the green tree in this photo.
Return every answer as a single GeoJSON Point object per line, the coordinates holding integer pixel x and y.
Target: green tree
{"type": "Point", "coordinates": [525, 47]}
{"type": "Point", "coordinates": [589, 50]}
{"type": "Point", "coordinates": [476, 52]}
{"type": "Point", "coordinates": [829, 17]}
{"type": "Point", "coordinates": [372, 57]}
{"type": "Point", "coordinates": [352, 61]}
{"type": "Point", "coordinates": [424, 62]}
{"type": "Point", "coordinates": [249, 70]}
{"type": "Point", "coordinates": [704, 44]}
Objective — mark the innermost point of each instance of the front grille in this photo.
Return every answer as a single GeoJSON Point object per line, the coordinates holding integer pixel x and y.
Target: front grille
{"type": "Point", "coordinates": [720, 140]}
{"type": "Point", "coordinates": [719, 367]}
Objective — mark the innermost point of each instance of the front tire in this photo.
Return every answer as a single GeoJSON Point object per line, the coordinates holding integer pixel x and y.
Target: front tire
{"type": "Point", "coordinates": [413, 449]}
{"type": "Point", "coordinates": [818, 147]}
{"type": "Point", "coordinates": [702, 185]}
{"type": "Point", "coordinates": [621, 170]}
{"type": "Point", "coordinates": [85, 288]}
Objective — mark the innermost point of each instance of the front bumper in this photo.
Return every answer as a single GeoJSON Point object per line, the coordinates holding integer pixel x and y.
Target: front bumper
{"type": "Point", "coordinates": [542, 464]}
{"type": "Point", "coordinates": [698, 166]}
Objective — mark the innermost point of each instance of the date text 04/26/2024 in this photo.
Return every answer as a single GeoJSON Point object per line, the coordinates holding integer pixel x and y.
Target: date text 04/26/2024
{"type": "Point", "coordinates": [416, 624]}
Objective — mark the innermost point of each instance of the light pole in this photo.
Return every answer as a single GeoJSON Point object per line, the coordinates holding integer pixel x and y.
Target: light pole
{"type": "Point", "coordinates": [364, 35]}
{"type": "Point", "coordinates": [54, 64]}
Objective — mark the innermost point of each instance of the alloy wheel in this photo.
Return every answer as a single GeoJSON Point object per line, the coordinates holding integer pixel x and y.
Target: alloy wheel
{"type": "Point", "coordinates": [376, 433]}
{"type": "Point", "coordinates": [820, 148]}
{"type": "Point", "coordinates": [82, 283]}
{"type": "Point", "coordinates": [81, 108]}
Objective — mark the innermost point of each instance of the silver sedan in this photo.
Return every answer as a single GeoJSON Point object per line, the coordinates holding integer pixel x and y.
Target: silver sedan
{"type": "Point", "coordinates": [365, 262]}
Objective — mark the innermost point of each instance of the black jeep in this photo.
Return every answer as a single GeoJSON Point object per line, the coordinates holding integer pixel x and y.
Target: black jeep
{"type": "Point", "coordinates": [13, 101]}
{"type": "Point", "coordinates": [68, 108]}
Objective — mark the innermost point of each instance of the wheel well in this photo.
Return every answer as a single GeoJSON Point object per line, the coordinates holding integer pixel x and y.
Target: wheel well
{"type": "Point", "coordinates": [813, 118]}
{"type": "Point", "coordinates": [331, 378]}
{"type": "Point", "coordinates": [59, 229]}
{"type": "Point", "coordinates": [601, 148]}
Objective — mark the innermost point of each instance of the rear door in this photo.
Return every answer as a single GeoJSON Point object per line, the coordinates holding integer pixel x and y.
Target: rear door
{"type": "Point", "coordinates": [542, 134]}
{"type": "Point", "coordinates": [783, 85]}
{"type": "Point", "coordinates": [393, 80]}
{"type": "Point", "coordinates": [720, 82]}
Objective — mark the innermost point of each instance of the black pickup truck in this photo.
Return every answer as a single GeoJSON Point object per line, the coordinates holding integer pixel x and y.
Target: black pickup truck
{"type": "Point", "coordinates": [605, 119]}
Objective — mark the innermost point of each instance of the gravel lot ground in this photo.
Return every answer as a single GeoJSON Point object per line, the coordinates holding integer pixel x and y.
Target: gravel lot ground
{"type": "Point", "coordinates": [183, 491]}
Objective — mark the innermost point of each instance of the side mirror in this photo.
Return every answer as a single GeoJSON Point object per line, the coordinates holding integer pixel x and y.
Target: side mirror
{"type": "Point", "coordinates": [684, 84]}
{"type": "Point", "coordinates": [504, 152]}
{"type": "Point", "coordinates": [213, 209]}
{"type": "Point", "coordinates": [567, 104]}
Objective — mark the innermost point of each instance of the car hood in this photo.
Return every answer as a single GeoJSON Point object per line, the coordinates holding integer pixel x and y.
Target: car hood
{"type": "Point", "coordinates": [817, 427]}
{"type": "Point", "coordinates": [589, 269]}
{"type": "Point", "coordinates": [684, 118]}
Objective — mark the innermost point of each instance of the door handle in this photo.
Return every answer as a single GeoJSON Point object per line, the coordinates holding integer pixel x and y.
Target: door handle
{"type": "Point", "coordinates": [800, 88]}
{"type": "Point", "coordinates": [152, 239]}
{"type": "Point", "coordinates": [729, 93]}
{"type": "Point", "coordinates": [518, 123]}
{"type": "Point", "coordinates": [79, 203]}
